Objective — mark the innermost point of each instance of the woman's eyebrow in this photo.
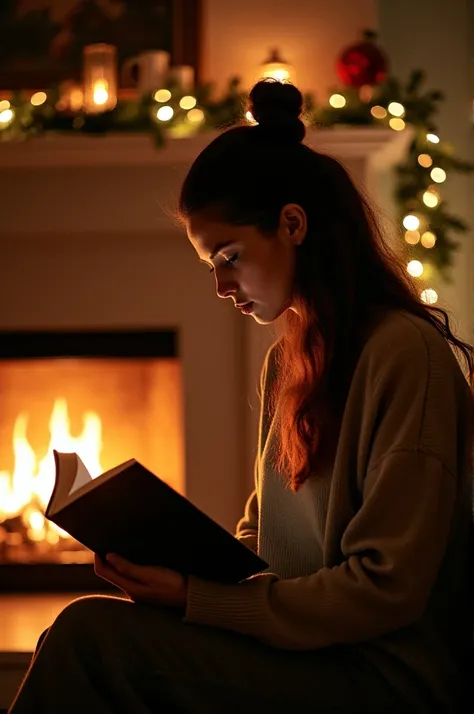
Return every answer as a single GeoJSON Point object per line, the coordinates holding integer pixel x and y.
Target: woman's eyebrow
{"type": "Point", "coordinates": [219, 247]}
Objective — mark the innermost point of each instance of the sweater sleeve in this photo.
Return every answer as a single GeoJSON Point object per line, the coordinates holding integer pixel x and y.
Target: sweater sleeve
{"type": "Point", "coordinates": [392, 549]}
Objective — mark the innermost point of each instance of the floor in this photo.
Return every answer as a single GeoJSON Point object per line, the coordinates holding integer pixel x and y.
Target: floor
{"type": "Point", "coordinates": [23, 618]}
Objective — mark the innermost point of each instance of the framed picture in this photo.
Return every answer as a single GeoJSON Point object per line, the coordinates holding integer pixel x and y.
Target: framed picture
{"type": "Point", "coordinates": [42, 41]}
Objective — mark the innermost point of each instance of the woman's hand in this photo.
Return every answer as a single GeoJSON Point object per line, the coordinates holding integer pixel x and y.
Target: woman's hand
{"type": "Point", "coordinates": [144, 583]}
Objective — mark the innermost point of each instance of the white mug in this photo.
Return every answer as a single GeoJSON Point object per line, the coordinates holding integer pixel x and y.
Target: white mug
{"type": "Point", "coordinates": [152, 67]}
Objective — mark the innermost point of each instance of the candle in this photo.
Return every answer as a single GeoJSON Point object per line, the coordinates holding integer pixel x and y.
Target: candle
{"type": "Point", "coordinates": [100, 78]}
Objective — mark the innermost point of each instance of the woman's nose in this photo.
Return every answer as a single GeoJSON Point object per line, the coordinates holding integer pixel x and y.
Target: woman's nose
{"type": "Point", "coordinates": [225, 288]}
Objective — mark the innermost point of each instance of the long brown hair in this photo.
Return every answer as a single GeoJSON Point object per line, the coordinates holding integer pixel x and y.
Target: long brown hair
{"type": "Point", "coordinates": [346, 274]}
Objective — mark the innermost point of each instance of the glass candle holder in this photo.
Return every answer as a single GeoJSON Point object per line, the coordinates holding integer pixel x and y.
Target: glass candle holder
{"type": "Point", "coordinates": [100, 78]}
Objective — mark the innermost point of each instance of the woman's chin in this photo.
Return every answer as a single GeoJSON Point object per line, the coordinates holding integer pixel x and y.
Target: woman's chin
{"type": "Point", "coordinates": [265, 316]}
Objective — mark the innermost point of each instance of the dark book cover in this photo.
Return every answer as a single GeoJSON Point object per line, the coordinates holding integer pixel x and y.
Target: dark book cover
{"type": "Point", "coordinates": [140, 517]}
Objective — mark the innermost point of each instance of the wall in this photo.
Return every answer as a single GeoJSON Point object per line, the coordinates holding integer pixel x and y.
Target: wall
{"type": "Point", "coordinates": [436, 36]}
{"type": "Point", "coordinates": [309, 33]}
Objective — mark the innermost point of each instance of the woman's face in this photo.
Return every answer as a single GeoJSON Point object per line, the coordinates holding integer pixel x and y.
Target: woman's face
{"type": "Point", "coordinates": [255, 270]}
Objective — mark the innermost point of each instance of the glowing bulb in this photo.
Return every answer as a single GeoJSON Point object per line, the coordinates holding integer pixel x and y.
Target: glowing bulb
{"type": "Point", "coordinates": [412, 237]}
{"type": "Point", "coordinates": [397, 109]}
{"type": "Point", "coordinates": [187, 102]}
{"type": "Point", "coordinates": [425, 160]}
{"type": "Point", "coordinates": [38, 99]}
{"type": "Point", "coordinates": [165, 113]}
{"type": "Point", "coordinates": [411, 222]}
{"type": "Point", "coordinates": [428, 239]}
{"type": "Point", "coordinates": [249, 117]}
{"type": "Point", "coordinates": [429, 296]}
{"type": "Point", "coordinates": [415, 268]}
{"type": "Point", "coordinates": [162, 95]}
{"type": "Point", "coordinates": [433, 138]}
{"type": "Point", "coordinates": [6, 116]}
{"type": "Point", "coordinates": [280, 73]}
{"type": "Point", "coordinates": [430, 198]}
{"type": "Point", "coordinates": [378, 112]}
{"type": "Point", "coordinates": [195, 116]}
{"type": "Point", "coordinates": [4, 104]}
{"type": "Point", "coordinates": [337, 101]}
{"type": "Point", "coordinates": [100, 93]}
{"type": "Point", "coordinates": [397, 124]}
{"type": "Point", "coordinates": [438, 175]}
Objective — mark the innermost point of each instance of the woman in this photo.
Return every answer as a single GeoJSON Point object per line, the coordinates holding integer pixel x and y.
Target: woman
{"type": "Point", "coordinates": [362, 505]}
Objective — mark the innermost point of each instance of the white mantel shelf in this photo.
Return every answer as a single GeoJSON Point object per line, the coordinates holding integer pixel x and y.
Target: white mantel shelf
{"type": "Point", "coordinates": [61, 150]}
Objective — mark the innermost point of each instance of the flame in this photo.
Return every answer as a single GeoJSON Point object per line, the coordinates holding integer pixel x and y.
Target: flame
{"type": "Point", "coordinates": [27, 490]}
{"type": "Point", "coordinates": [100, 92]}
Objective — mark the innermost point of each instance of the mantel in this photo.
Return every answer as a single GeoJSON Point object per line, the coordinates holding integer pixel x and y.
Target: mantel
{"type": "Point", "coordinates": [64, 151]}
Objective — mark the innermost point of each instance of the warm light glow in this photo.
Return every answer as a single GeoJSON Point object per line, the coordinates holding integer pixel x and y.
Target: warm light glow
{"type": "Point", "coordinates": [38, 99]}
{"type": "Point", "coordinates": [430, 198]}
{"type": "Point", "coordinates": [249, 117]}
{"type": "Point", "coordinates": [28, 488]}
{"type": "Point", "coordinates": [6, 116]}
{"type": "Point", "coordinates": [195, 116]}
{"type": "Point", "coordinates": [165, 113]}
{"type": "Point", "coordinates": [76, 99]}
{"type": "Point", "coordinates": [100, 92]}
{"type": "Point", "coordinates": [411, 222]}
{"type": "Point", "coordinates": [397, 109]}
{"type": "Point", "coordinates": [397, 124]}
{"type": "Point", "coordinates": [425, 160]}
{"type": "Point", "coordinates": [4, 104]}
{"type": "Point", "coordinates": [412, 237]}
{"type": "Point", "coordinates": [337, 101]}
{"type": "Point", "coordinates": [429, 296]}
{"type": "Point", "coordinates": [438, 175]}
{"type": "Point", "coordinates": [162, 95]}
{"type": "Point", "coordinates": [415, 268]}
{"type": "Point", "coordinates": [188, 102]}
{"type": "Point", "coordinates": [428, 239]}
{"type": "Point", "coordinates": [434, 138]}
{"type": "Point", "coordinates": [276, 68]}
{"type": "Point", "coordinates": [378, 112]}
{"type": "Point", "coordinates": [281, 73]}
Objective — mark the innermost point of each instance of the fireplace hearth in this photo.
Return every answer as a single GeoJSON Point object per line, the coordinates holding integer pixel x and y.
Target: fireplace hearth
{"type": "Point", "coordinates": [109, 396]}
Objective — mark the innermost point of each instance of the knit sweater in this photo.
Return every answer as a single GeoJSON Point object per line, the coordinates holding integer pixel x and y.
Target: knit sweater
{"type": "Point", "coordinates": [374, 551]}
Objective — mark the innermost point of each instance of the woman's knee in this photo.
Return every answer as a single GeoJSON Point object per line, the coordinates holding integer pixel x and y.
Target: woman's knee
{"type": "Point", "coordinates": [87, 615]}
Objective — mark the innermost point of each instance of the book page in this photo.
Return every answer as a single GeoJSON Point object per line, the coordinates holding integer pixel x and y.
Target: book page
{"type": "Point", "coordinates": [82, 476]}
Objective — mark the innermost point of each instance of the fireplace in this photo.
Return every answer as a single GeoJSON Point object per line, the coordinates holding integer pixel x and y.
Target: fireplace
{"type": "Point", "coordinates": [109, 396]}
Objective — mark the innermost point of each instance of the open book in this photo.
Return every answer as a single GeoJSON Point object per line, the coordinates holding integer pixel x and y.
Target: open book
{"type": "Point", "coordinates": [130, 511]}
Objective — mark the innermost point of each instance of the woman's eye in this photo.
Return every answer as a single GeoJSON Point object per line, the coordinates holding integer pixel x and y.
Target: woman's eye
{"type": "Point", "coordinates": [232, 259]}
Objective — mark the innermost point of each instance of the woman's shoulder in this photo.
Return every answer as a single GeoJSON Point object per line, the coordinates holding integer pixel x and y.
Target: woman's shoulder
{"type": "Point", "coordinates": [401, 341]}
{"type": "Point", "coordinates": [398, 332]}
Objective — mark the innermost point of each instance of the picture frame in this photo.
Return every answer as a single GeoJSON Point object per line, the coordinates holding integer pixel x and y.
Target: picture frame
{"type": "Point", "coordinates": [42, 44]}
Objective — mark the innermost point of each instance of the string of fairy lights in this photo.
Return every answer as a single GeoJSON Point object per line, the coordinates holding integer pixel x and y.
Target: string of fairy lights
{"type": "Point", "coordinates": [424, 220]}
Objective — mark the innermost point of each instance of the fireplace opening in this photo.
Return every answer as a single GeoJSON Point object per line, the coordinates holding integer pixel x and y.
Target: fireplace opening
{"type": "Point", "coordinates": [109, 396]}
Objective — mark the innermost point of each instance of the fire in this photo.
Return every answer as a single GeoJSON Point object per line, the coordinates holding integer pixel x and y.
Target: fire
{"type": "Point", "coordinates": [27, 490]}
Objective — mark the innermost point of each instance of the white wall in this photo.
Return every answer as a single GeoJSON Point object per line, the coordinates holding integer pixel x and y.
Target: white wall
{"type": "Point", "coordinates": [436, 36]}
{"type": "Point", "coordinates": [309, 33]}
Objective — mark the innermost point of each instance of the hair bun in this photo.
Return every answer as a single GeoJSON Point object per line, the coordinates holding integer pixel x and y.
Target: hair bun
{"type": "Point", "coordinates": [276, 107]}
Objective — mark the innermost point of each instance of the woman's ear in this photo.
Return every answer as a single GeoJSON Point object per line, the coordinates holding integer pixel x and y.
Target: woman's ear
{"type": "Point", "coordinates": [293, 223]}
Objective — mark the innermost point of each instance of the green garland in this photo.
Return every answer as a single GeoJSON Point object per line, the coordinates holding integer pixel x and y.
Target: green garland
{"type": "Point", "coordinates": [413, 178]}
{"type": "Point", "coordinates": [437, 225]}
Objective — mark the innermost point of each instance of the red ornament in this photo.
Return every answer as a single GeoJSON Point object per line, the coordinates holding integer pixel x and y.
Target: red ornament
{"type": "Point", "coordinates": [362, 63]}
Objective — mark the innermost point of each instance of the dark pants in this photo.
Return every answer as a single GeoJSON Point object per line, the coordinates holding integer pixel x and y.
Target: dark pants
{"type": "Point", "coordinates": [107, 655]}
